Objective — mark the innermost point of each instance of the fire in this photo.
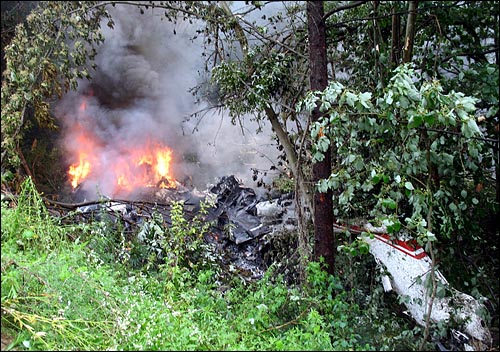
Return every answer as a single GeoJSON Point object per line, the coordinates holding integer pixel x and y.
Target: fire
{"type": "Point", "coordinates": [163, 157]}
{"type": "Point", "coordinates": [146, 166]}
{"type": "Point", "coordinates": [79, 171]}
{"type": "Point", "coordinates": [127, 167]}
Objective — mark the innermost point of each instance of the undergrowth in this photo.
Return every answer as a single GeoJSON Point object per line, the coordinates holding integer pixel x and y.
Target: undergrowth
{"type": "Point", "coordinates": [60, 292]}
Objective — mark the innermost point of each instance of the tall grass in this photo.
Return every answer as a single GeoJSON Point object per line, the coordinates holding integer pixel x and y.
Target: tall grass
{"type": "Point", "coordinates": [60, 292]}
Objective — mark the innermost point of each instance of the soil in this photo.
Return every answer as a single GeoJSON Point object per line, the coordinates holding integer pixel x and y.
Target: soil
{"type": "Point", "coordinates": [6, 341]}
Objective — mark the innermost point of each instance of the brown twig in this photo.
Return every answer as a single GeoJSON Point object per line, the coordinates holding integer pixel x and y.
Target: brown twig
{"type": "Point", "coordinates": [294, 321]}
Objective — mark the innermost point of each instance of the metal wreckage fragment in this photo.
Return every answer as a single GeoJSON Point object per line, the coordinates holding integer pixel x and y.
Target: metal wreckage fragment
{"type": "Point", "coordinates": [406, 268]}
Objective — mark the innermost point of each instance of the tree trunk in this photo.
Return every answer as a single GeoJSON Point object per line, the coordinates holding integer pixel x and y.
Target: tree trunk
{"type": "Point", "coordinates": [410, 31]}
{"type": "Point", "coordinates": [324, 240]}
{"type": "Point", "coordinates": [291, 155]}
{"type": "Point", "coordinates": [395, 42]}
{"type": "Point", "coordinates": [303, 194]}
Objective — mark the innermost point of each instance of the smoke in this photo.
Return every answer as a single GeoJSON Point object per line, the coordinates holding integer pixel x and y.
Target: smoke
{"type": "Point", "coordinates": [141, 92]}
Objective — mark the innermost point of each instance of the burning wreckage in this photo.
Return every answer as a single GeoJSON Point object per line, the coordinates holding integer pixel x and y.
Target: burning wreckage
{"type": "Point", "coordinates": [244, 224]}
{"type": "Point", "coordinates": [239, 220]}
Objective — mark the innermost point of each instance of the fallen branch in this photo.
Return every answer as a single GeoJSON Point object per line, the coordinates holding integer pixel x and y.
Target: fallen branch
{"type": "Point", "coordinates": [294, 321]}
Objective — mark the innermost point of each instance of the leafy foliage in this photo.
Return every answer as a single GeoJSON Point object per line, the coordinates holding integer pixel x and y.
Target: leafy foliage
{"type": "Point", "coordinates": [24, 221]}
{"type": "Point", "coordinates": [261, 78]}
{"type": "Point", "coordinates": [43, 64]}
{"type": "Point", "coordinates": [182, 243]}
{"type": "Point", "coordinates": [366, 45]}
{"type": "Point", "coordinates": [413, 155]}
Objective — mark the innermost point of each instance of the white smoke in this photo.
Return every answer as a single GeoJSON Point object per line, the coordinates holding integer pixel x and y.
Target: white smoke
{"type": "Point", "coordinates": [141, 91]}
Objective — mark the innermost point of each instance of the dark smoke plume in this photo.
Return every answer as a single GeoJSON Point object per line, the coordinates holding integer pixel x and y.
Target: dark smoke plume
{"type": "Point", "coordinates": [141, 92]}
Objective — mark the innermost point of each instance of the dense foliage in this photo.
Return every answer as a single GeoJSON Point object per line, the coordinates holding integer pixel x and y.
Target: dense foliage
{"type": "Point", "coordinates": [415, 149]}
{"type": "Point", "coordinates": [44, 59]}
{"type": "Point", "coordinates": [399, 155]}
{"type": "Point", "coordinates": [67, 287]}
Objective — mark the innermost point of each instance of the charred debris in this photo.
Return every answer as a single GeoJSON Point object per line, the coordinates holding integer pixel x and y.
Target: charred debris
{"type": "Point", "coordinates": [247, 231]}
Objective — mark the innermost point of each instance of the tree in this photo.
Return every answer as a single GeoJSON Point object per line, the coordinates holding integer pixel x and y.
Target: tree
{"type": "Point", "coordinates": [446, 47]}
{"type": "Point", "coordinates": [324, 236]}
{"type": "Point", "coordinates": [410, 31]}
{"type": "Point", "coordinates": [44, 59]}
{"type": "Point", "coordinates": [324, 240]}
{"type": "Point", "coordinates": [261, 69]}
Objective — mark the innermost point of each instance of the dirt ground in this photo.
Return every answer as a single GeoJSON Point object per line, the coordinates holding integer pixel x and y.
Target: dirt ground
{"type": "Point", "coordinates": [6, 340]}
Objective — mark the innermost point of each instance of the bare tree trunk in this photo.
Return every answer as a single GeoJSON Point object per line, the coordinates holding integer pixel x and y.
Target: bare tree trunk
{"type": "Point", "coordinates": [291, 155]}
{"type": "Point", "coordinates": [324, 240]}
{"type": "Point", "coordinates": [410, 31]}
{"type": "Point", "coordinates": [395, 42]}
{"type": "Point", "coordinates": [497, 159]}
{"type": "Point", "coordinates": [377, 42]}
{"type": "Point", "coordinates": [497, 173]}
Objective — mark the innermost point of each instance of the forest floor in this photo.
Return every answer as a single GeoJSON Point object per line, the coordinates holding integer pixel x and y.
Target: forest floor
{"type": "Point", "coordinates": [6, 341]}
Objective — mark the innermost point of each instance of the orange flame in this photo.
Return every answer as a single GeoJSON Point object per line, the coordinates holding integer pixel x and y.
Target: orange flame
{"type": "Point", "coordinates": [79, 171]}
{"type": "Point", "coordinates": [144, 166]}
{"type": "Point", "coordinates": [149, 166]}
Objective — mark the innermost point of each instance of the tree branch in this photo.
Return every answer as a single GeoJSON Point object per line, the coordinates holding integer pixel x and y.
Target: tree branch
{"type": "Point", "coordinates": [342, 8]}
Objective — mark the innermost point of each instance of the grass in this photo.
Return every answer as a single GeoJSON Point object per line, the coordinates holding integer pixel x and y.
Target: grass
{"type": "Point", "coordinates": [64, 288]}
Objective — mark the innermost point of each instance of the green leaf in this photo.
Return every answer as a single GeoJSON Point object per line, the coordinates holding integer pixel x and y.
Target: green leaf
{"type": "Point", "coordinates": [364, 248]}
{"type": "Point", "coordinates": [470, 128]}
{"type": "Point", "coordinates": [318, 156]}
{"type": "Point", "coordinates": [389, 203]}
{"type": "Point", "coordinates": [13, 76]}
{"type": "Point", "coordinates": [359, 164]}
{"type": "Point", "coordinates": [468, 103]}
{"type": "Point", "coordinates": [394, 227]}
{"type": "Point", "coordinates": [415, 121]}
{"type": "Point", "coordinates": [323, 144]}
{"type": "Point", "coordinates": [409, 186]}
{"type": "Point", "coordinates": [388, 98]}
{"type": "Point", "coordinates": [28, 234]}
{"type": "Point", "coordinates": [351, 98]}
{"type": "Point", "coordinates": [441, 292]}
{"type": "Point", "coordinates": [404, 102]}
{"type": "Point", "coordinates": [430, 118]}
{"type": "Point", "coordinates": [350, 158]}
{"type": "Point", "coordinates": [364, 99]}
{"type": "Point", "coordinates": [322, 186]}
{"type": "Point", "coordinates": [453, 207]}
